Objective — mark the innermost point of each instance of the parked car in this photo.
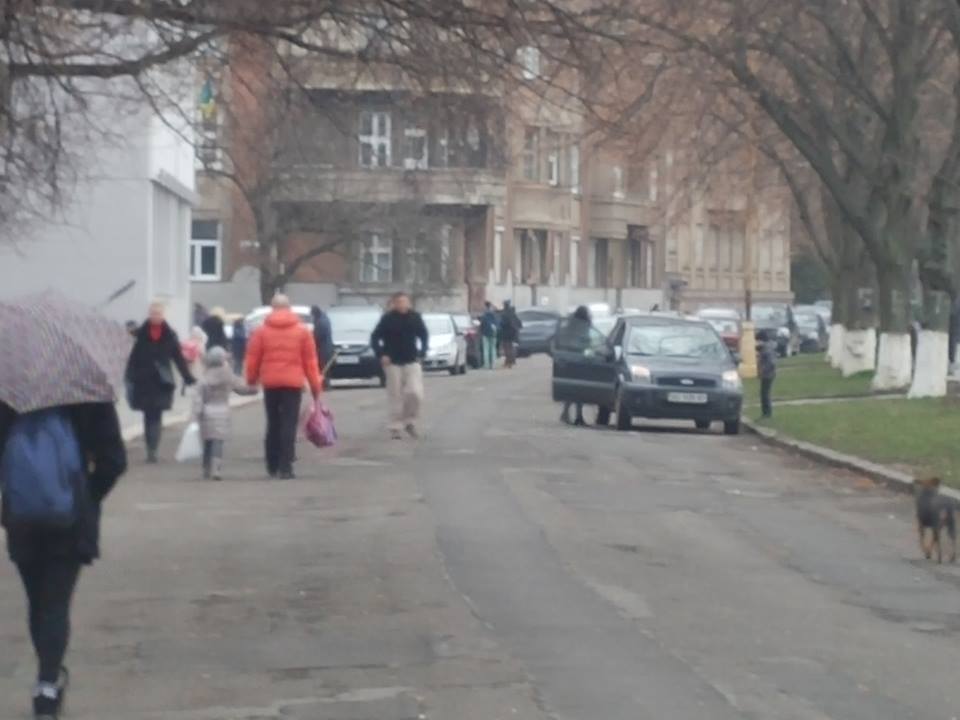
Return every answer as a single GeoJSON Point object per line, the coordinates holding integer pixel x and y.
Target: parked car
{"type": "Point", "coordinates": [775, 322]}
{"type": "Point", "coordinates": [651, 367]}
{"type": "Point", "coordinates": [471, 335]}
{"type": "Point", "coordinates": [352, 328]}
{"type": "Point", "coordinates": [256, 317]}
{"type": "Point", "coordinates": [823, 308]}
{"type": "Point", "coordinates": [727, 322]}
{"type": "Point", "coordinates": [605, 323]}
{"type": "Point", "coordinates": [539, 326]}
{"type": "Point", "coordinates": [812, 330]}
{"type": "Point", "coordinates": [448, 348]}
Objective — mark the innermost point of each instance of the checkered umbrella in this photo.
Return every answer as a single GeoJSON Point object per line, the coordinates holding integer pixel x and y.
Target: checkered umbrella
{"type": "Point", "coordinates": [56, 352]}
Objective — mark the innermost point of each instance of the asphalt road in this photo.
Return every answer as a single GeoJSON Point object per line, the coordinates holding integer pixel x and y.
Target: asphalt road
{"type": "Point", "coordinates": [505, 566]}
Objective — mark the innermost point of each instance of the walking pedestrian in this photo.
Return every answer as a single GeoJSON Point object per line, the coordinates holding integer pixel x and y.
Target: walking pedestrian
{"type": "Point", "coordinates": [577, 330]}
{"type": "Point", "coordinates": [282, 357]}
{"type": "Point", "coordinates": [768, 373]}
{"type": "Point", "coordinates": [211, 408]}
{"type": "Point", "coordinates": [488, 336]}
{"type": "Point", "coordinates": [61, 452]}
{"type": "Point", "coordinates": [215, 330]}
{"type": "Point", "coordinates": [510, 325]}
{"type": "Point", "coordinates": [238, 345]}
{"type": "Point", "coordinates": [150, 377]}
{"type": "Point", "coordinates": [394, 340]}
{"type": "Point", "coordinates": [323, 337]}
{"type": "Point", "coordinates": [82, 443]}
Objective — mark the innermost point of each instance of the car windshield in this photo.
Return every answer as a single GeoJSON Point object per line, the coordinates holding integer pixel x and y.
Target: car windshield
{"type": "Point", "coordinates": [769, 313]}
{"type": "Point", "coordinates": [464, 322]}
{"type": "Point", "coordinates": [807, 321]}
{"type": "Point", "coordinates": [682, 341]}
{"type": "Point", "coordinates": [353, 322]}
{"type": "Point", "coordinates": [605, 324]}
{"type": "Point", "coordinates": [438, 324]}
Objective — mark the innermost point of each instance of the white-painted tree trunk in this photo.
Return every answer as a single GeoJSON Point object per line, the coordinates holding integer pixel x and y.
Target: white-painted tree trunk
{"type": "Point", "coordinates": [858, 353]}
{"type": "Point", "coordinates": [933, 360]}
{"type": "Point", "coordinates": [894, 363]}
{"type": "Point", "coordinates": [835, 346]}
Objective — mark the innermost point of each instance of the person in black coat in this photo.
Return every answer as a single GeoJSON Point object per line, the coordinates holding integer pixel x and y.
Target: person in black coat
{"type": "Point", "coordinates": [150, 381]}
{"type": "Point", "coordinates": [49, 561]}
{"type": "Point", "coordinates": [323, 337]}
{"type": "Point", "coordinates": [238, 345]}
{"type": "Point", "coordinates": [510, 325]}
{"type": "Point", "coordinates": [216, 332]}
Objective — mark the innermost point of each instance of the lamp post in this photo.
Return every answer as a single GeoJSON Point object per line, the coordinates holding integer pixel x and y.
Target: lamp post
{"type": "Point", "coordinates": [748, 333]}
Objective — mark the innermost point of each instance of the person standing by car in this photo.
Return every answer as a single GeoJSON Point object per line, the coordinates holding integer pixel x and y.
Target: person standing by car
{"type": "Point", "coordinates": [768, 373]}
{"type": "Point", "coordinates": [323, 337]}
{"type": "Point", "coordinates": [510, 324]}
{"type": "Point", "coordinates": [576, 333]}
{"type": "Point", "coordinates": [150, 378]}
{"type": "Point", "coordinates": [238, 345]}
{"type": "Point", "coordinates": [488, 336]}
{"type": "Point", "coordinates": [394, 341]}
{"type": "Point", "coordinates": [214, 328]}
{"type": "Point", "coordinates": [282, 357]}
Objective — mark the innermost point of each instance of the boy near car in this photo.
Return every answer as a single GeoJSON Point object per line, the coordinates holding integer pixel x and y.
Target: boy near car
{"type": "Point", "coordinates": [394, 340]}
{"type": "Point", "coordinates": [768, 373]}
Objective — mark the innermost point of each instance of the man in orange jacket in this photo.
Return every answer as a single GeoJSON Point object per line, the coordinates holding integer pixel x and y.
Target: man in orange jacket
{"type": "Point", "coordinates": [282, 357]}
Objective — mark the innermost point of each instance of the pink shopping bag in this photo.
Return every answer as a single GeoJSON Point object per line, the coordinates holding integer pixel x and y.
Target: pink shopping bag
{"type": "Point", "coordinates": [320, 429]}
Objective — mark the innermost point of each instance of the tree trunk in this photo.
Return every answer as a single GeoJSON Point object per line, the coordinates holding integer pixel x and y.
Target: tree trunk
{"type": "Point", "coordinates": [895, 357]}
{"type": "Point", "coordinates": [933, 348]}
{"type": "Point", "coordinates": [837, 323]}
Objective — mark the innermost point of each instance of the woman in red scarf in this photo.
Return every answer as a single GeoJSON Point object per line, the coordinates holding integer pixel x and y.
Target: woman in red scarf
{"type": "Point", "coordinates": [150, 379]}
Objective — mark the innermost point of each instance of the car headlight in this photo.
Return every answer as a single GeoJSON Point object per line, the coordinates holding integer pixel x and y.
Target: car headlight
{"type": "Point", "coordinates": [783, 332]}
{"type": "Point", "coordinates": [640, 373]}
{"type": "Point", "coordinates": [731, 380]}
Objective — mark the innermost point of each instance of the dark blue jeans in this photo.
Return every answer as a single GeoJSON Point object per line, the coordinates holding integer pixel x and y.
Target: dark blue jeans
{"type": "Point", "coordinates": [49, 582]}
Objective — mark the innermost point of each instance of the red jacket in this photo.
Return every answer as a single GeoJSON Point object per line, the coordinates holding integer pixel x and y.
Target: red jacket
{"type": "Point", "coordinates": [282, 354]}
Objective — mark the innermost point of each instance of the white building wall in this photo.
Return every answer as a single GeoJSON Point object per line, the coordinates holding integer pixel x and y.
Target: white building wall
{"type": "Point", "coordinates": [125, 222]}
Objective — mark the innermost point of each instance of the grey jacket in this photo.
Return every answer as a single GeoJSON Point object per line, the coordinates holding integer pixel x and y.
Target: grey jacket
{"type": "Point", "coordinates": [767, 360]}
{"type": "Point", "coordinates": [211, 401]}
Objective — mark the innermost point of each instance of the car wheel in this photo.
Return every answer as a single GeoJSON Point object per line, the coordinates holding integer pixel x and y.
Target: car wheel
{"type": "Point", "coordinates": [703, 424]}
{"type": "Point", "coordinates": [624, 418]}
{"type": "Point", "coordinates": [603, 416]}
{"type": "Point", "coordinates": [731, 427]}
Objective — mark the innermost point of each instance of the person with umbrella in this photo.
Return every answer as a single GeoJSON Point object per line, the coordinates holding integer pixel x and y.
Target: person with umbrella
{"type": "Point", "coordinates": [61, 452]}
{"type": "Point", "coordinates": [150, 378]}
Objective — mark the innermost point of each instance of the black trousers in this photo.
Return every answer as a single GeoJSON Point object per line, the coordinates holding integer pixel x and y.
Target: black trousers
{"type": "Point", "coordinates": [49, 583]}
{"type": "Point", "coordinates": [283, 414]}
{"type": "Point", "coordinates": [152, 430]}
{"type": "Point", "coordinates": [766, 402]}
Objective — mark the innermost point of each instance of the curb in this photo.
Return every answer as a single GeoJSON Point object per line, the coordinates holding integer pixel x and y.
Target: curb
{"type": "Point", "coordinates": [135, 432]}
{"type": "Point", "coordinates": [893, 479]}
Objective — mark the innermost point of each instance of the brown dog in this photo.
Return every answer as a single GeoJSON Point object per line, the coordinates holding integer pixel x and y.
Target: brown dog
{"type": "Point", "coordinates": [935, 512]}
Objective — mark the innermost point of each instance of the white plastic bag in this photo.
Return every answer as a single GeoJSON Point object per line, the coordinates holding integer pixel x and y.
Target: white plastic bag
{"type": "Point", "coordinates": [190, 447]}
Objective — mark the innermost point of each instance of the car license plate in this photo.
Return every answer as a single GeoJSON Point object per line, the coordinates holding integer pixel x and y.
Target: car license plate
{"type": "Point", "coordinates": [349, 360]}
{"type": "Point", "coordinates": [687, 398]}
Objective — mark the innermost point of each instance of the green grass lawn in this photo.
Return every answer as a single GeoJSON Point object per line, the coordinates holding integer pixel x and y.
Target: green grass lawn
{"type": "Point", "coordinates": [922, 436]}
{"type": "Point", "coordinates": [809, 376]}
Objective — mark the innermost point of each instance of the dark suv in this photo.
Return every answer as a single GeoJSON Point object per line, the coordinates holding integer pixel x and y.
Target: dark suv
{"type": "Point", "coordinates": [651, 367]}
{"type": "Point", "coordinates": [352, 327]}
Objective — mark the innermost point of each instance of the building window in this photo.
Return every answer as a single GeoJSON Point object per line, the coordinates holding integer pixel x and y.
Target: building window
{"type": "Point", "coordinates": [498, 254]}
{"type": "Point", "coordinates": [618, 184]}
{"type": "Point", "coordinates": [534, 263]}
{"type": "Point", "coordinates": [416, 149]}
{"type": "Point", "coordinates": [530, 62]}
{"type": "Point", "coordinates": [374, 137]}
{"type": "Point", "coordinates": [601, 254]}
{"type": "Point", "coordinates": [376, 262]}
{"type": "Point", "coordinates": [553, 158]}
{"type": "Point", "coordinates": [574, 261]}
{"type": "Point", "coordinates": [205, 247]}
{"type": "Point", "coordinates": [531, 154]}
{"type": "Point", "coordinates": [640, 258]}
{"type": "Point", "coordinates": [575, 168]}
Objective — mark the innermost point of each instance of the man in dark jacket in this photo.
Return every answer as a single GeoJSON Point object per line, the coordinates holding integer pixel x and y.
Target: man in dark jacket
{"type": "Point", "coordinates": [323, 337]}
{"type": "Point", "coordinates": [394, 340]}
{"type": "Point", "coordinates": [767, 365]}
{"type": "Point", "coordinates": [149, 376]}
{"type": "Point", "coordinates": [49, 561]}
{"type": "Point", "coordinates": [510, 324]}
{"type": "Point", "coordinates": [238, 345]}
{"type": "Point", "coordinates": [215, 330]}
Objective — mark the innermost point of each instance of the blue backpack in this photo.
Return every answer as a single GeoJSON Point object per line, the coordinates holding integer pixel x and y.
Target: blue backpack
{"type": "Point", "coordinates": [42, 472]}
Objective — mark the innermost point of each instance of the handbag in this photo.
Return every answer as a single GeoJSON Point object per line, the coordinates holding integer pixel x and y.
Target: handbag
{"type": "Point", "coordinates": [320, 429]}
{"type": "Point", "coordinates": [190, 447]}
{"type": "Point", "coordinates": [164, 373]}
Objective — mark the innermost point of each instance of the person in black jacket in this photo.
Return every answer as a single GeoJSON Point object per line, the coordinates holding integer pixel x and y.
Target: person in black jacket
{"type": "Point", "coordinates": [150, 381]}
{"type": "Point", "coordinates": [323, 337]}
{"type": "Point", "coordinates": [510, 325]}
{"type": "Point", "coordinates": [395, 341]}
{"type": "Point", "coordinates": [49, 561]}
{"type": "Point", "coordinates": [215, 330]}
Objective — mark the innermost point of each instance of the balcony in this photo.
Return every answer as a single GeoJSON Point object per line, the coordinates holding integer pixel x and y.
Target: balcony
{"type": "Point", "coordinates": [436, 186]}
{"type": "Point", "coordinates": [609, 217]}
